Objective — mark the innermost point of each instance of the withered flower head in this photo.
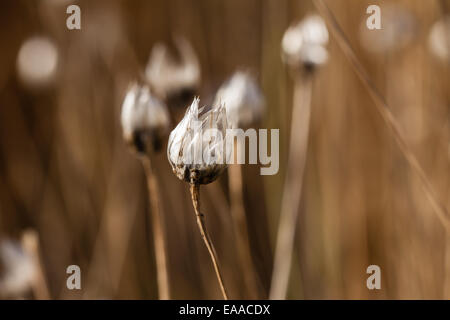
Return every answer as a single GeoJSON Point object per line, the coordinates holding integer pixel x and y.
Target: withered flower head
{"type": "Point", "coordinates": [198, 149]}
{"type": "Point", "coordinates": [304, 44]}
{"type": "Point", "coordinates": [243, 100]}
{"type": "Point", "coordinates": [37, 61]}
{"type": "Point", "coordinates": [17, 269]}
{"type": "Point", "coordinates": [144, 118]}
{"type": "Point", "coordinates": [439, 38]}
{"type": "Point", "coordinates": [175, 78]}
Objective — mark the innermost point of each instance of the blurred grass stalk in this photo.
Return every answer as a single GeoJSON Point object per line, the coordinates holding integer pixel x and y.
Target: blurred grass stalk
{"type": "Point", "coordinates": [113, 237]}
{"type": "Point", "coordinates": [298, 145]}
{"type": "Point", "coordinates": [30, 241]}
{"type": "Point", "coordinates": [158, 228]}
{"type": "Point", "coordinates": [237, 208]}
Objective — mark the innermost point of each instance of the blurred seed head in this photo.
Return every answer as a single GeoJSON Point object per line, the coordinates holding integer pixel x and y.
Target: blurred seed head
{"type": "Point", "coordinates": [37, 61]}
{"type": "Point", "coordinates": [398, 28]}
{"type": "Point", "coordinates": [304, 44]}
{"type": "Point", "coordinates": [144, 118]}
{"type": "Point", "coordinates": [439, 38]}
{"type": "Point", "coordinates": [195, 156]}
{"type": "Point", "coordinates": [175, 80]}
{"type": "Point", "coordinates": [242, 98]}
{"type": "Point", "coordinates": [17, 270]}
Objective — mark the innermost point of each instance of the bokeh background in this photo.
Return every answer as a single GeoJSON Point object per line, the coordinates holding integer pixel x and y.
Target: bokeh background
{"type": "Point", "coordinates": [67, 175]}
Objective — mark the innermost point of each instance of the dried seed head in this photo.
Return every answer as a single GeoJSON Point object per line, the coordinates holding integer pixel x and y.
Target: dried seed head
{"type": "Point", "coordinates": [197, 149]}
{"type": "Point", "coordinates": [304, 44]}
{"type": "Point", "coordinates": [37, 62]}
{"type": "Point", "coordinates": [174, 79]}
{"type": "Point", "coordinates": [439, 38]}
{"type": "Point", "coordinates": [243, 100]}
{"type": "Point", "coordinates": [144, 118]}
{"type": "Point", "coordinates": [398, 28]}
{"type": "Point", "coordinates": [17, 270]}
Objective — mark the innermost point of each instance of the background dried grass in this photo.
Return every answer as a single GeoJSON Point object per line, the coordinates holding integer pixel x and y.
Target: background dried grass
{"type": "Point", "coordinates": [66, 172]}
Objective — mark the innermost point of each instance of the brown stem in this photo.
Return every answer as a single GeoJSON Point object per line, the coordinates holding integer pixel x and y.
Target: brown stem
{"type": "Point", "coordinates": [292, 187]}
{"type": "Point", "coordinates": [158, 233]}
{"type": "Point", "coordinates": [195, 194]}
{"type": "Point", "coordinates": [241, 228]}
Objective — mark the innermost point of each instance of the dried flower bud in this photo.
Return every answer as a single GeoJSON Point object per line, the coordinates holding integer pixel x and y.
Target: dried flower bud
{"type": "Point", "coordinates": [197, 149]}
{"type": "Point", "coordinates": [398, 28]}
{"type": "Point", "coordinates": [17, 270]}
{"type": "Point", "coordinates": [304, 44]}
{"type": "Point", "coordinates": [243, 100]}
{"type": "Point", "coordinates": [439, 38]}
{"type": "Point", "coordinates": [176, 80]}
{"type": "Point", "coordinates": [144, 118]}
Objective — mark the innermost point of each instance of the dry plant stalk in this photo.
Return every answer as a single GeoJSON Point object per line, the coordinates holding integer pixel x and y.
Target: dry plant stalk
{"type": "Point", "coordinates": [293, 185]}
{"type": "Point", "coordinates": [385, 112]}
{"type": "Point", "coordinates": [145, 121]}
{"type": "Point", "coordinates": [158, 229]}
{"type": "Point", "coordinates": [239, 219]}
{"type": "Point", "coordinates": [184, 142]}
{"type": "Point", "coordinates": [244, 104]}
{"type": "Point", "coordinates": [30, 242]}
{"type": "Point", "coordinates": [195, 194]}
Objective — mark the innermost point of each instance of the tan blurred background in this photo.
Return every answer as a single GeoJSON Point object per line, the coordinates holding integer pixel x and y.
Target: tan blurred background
{"type": "Point", "coordinates": [66, 173]}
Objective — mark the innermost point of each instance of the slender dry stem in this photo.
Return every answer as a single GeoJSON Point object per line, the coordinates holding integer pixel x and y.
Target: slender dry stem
{"type": "Point", "coordinates": [195, 194]}
{"type": "Point", "coordinates": [240, 228]}
{"type": "Point", "coordinates": [385, 112]}
{"type": "Point", "coordinates": [158, 230]}
{"type": "Point", "coordinates": [30, 241]}
{"type": "Point", "coordinates": [293, 185]}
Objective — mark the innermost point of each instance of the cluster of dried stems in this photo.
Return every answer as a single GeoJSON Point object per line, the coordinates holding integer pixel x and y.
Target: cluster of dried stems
{"type": "Point", "coordinates": [293, 189]}
{"type": "Point", "coordinates": [295, 171]}
{"type": "Point", "coordinates": [298, 150]}
{"type": "Point", "coordinates": [301, 113]}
